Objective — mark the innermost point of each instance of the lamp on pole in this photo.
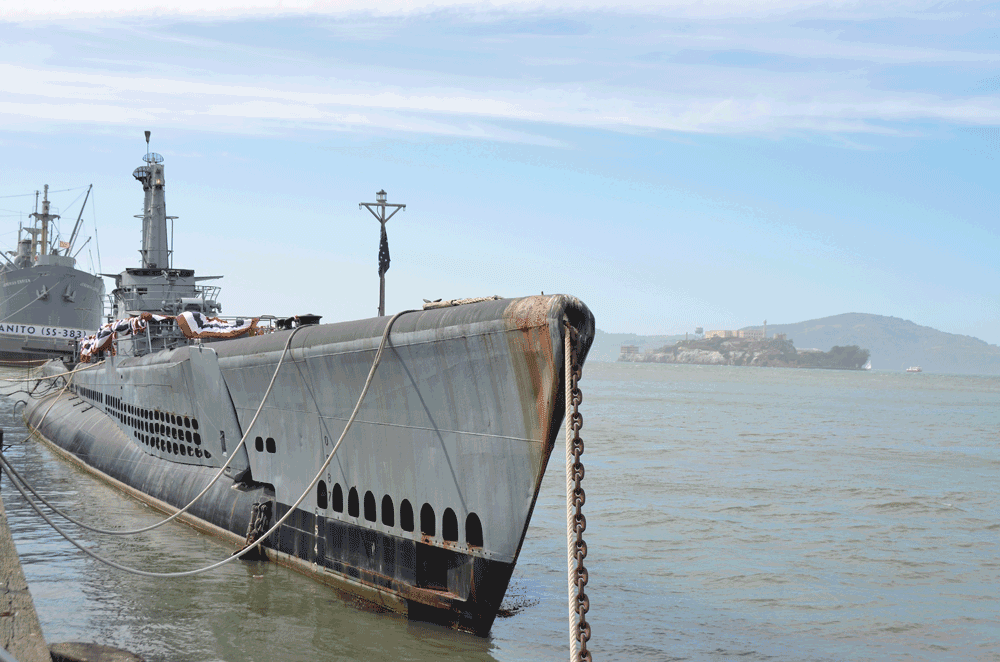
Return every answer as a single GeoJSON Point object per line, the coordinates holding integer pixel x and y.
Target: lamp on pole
{"type": "Point", "coordinates": [378, 210]}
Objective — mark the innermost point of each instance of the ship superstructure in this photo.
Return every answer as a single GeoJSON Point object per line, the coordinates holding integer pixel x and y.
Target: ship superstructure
{"type": "Point", "coordinates": [46, 303]}
{"type": "Point", "coordinates": [424, 506]}
{"type": "Point", "coordinates": [156, 286]}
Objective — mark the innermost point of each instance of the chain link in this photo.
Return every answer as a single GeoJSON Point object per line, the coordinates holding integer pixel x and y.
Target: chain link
{"type": "Point", "coordinates": [260, 521]}
{"type": "Point", "coordinates": [575, 419]}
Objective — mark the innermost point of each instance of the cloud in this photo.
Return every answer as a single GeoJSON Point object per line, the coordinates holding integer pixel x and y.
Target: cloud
{"type": "Point", "coordinates": [768, 105]}
{"type": "Point", "coordinates": [26, 10]}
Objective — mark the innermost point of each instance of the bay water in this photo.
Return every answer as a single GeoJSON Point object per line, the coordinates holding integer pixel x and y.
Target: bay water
{"type": "Point", "coordinates": [733, 514]}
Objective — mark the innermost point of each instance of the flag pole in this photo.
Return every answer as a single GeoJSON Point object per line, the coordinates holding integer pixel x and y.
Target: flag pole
{"type": "Point", "coordinates": [378, 210]}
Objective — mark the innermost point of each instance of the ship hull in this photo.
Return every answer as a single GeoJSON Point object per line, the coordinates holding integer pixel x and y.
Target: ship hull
{"type": "Point", "coordinates": [425, 505]}
{"type": "Point", "coordinates": [44, 310]}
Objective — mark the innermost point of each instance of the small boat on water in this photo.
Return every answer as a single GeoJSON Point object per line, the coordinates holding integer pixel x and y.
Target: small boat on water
{"type": "Point", "coordinates": [417, 501]}
{"type": "Point", "coordinates": [914, 368]}
{"type": "Point", "coordinates": [46, 303]}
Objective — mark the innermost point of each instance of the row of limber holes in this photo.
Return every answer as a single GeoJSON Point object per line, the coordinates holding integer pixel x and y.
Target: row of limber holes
{"type": "Point", "coordinates": [428, 522]}
{"type": "Point", "coordinates": [153, 421]}
{"type": "Point", "coordinates": [91, 393]}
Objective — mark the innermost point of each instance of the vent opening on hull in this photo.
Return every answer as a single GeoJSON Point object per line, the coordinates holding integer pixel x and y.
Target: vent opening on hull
{"type": "Point", "coordinates": [353, 508]}
{"type": "Point", "coordinates": [370, 507]}
{"type": "Point", "coordinates": [388, 512]}
{"type": "Point", "coordinates": [406, 516]}
{"type": "Point", "coordinates": [449, 526]}
{"type": "Point", "coordinates": [427, 523]}
{"type": "Point", "coordinates": [321, 500]}
{"type": "Point", "coordinates": [338, 498]}
{"type": "Point", "coordinates": [473, 530]}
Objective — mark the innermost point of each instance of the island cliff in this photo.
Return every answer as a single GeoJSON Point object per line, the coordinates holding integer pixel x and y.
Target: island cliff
{"type": "Point", "coordinates": [769, 353]}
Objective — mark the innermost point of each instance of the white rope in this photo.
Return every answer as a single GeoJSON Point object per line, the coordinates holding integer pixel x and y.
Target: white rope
{"type": "Point", "coordinates": [266, 535]}
{"type": "Point", "coordinates": [574, 634]}
{"type": "Point", "coordinates": [29, 378]}
{"type": "Point", "coordinates": [214, 480]}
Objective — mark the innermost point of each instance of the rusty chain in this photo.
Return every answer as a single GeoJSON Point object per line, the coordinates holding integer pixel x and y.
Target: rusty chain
{"type": "Point", "coordinates": [260, 520]}
{"type": "Point", "coordinates": [576, 497]}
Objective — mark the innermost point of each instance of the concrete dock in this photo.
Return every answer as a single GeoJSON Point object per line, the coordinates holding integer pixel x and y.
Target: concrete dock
{"type": "Point", "coordinates": [20, 631]}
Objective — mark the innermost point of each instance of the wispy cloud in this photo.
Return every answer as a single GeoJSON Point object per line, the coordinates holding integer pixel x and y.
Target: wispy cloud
{"type": "Point", "coordinates": [70, 96]}
{"type": "Point", "coordinates": [504, 75]}
{"type": "Point", "coordinates": [20, 10]}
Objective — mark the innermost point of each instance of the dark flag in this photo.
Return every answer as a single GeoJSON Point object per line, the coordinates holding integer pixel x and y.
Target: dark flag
{"type": "Point", "coordinates": [383, 253]}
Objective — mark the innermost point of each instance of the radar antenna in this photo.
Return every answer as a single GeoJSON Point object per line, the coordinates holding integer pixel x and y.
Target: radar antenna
{"type": "Point", "coordinates": [151, 157]}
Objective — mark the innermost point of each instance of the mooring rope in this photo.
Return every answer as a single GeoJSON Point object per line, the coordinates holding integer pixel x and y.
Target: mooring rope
{"type": "Point", "coordinates": [576, 523]}
{"type": "Point", "coordinates": [29, 378]}
{"type": "Point", "coordinates": [215, 479]}
{"type": "Point", "coordinates": [248, 548]}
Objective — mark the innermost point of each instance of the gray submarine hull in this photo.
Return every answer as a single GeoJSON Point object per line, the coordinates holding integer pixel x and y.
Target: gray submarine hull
{"type": "Point", "coordinates": [423, 509]}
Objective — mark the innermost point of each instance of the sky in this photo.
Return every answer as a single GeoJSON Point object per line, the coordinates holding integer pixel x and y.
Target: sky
{"type": "Point", "coordinates": [675, 165]}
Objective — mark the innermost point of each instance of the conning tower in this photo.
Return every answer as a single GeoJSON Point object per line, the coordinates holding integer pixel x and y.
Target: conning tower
{"type": "Point", "coordinates": [157, 287]}
{"type": "Point", "coordinates": [155, 249]}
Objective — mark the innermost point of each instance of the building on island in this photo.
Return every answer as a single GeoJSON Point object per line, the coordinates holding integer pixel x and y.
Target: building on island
{"type": "Point", "coordinates": [748, 334]}
{"type": "Point", "coordinates": [628, 351]}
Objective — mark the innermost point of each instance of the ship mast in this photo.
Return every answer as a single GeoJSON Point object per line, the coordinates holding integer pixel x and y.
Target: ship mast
{"type": "Point", "coordinates": [41, 246]}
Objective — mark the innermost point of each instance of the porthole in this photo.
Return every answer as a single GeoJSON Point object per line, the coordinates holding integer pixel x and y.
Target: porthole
{"type": "Point", "coordinates": [197, 441]}
{"type": "Point", "coordinates": [405, 516]}
{"type": "Point", "coordinates": [197, 452]}
{"type": "Point", "coordinates": [321, 500]}
{"type": "Point", "coordinates": [449, 525]}
{"type": "Point", "coordinates": [187, 422]}
{"type": "Point", "coordinates": [388, 512]}
{"type": "Point", "coordinates": [258, 443]}
{"type": "Point", "coordinates": [370, 514]}
{"type": "Point", "coordinates": [194, 423]}
{"type": "Point", "coordinates": [427, 524]}
{"type": "Point", "coordinates": [271, 446]}
{"type": "Point", "coordinates": [208, 455]}
{"type": "Point", "coordinates": [353, 509]}
{"type": "Point", "coordinates": [187, 435]}
{"type": "Point", "coordinates": [338, 498]}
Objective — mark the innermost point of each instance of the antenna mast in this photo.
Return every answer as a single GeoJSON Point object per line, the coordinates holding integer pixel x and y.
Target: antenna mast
{"type": "Point", "coordinates": [44, 217]}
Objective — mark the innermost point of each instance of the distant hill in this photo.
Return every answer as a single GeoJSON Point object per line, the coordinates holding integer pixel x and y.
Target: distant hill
{"type": "Point", "coordinates": [895, 343]}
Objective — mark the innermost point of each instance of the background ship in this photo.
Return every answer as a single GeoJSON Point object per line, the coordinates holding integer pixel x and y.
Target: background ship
{"type": "Point", "coordinates": [46, 303]}
{"type": "Point", "coordinates": [423, 506]}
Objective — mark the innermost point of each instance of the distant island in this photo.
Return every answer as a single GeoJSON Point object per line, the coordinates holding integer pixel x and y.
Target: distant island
{"type": "Point", "coordinates": [895, 344]}
{"type": "Point", "coordinates": [759, 352]}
